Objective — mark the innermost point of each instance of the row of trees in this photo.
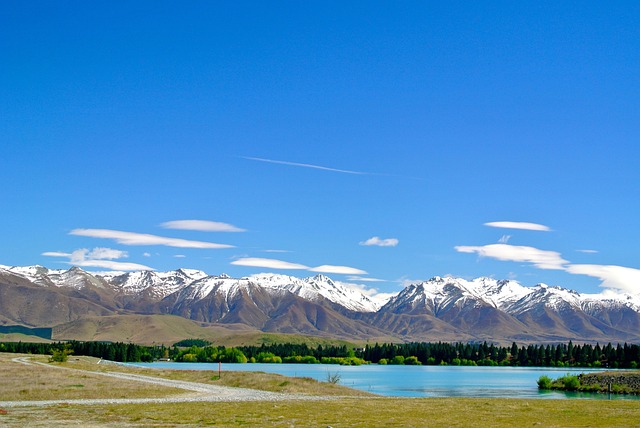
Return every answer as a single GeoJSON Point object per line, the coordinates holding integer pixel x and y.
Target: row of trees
{"type": "Point", "coordinates": [557, 355]}
{"type": "Point", "coordinates": [112, 351]}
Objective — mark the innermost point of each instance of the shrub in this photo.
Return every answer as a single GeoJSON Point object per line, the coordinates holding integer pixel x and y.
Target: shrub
{"type": "Point", "coordinates": [412, 361]}
{"type": "Point", "coordinates": [571, 383]}
{"type": "Point", "coordinates": [268, 357]}
{"type": "Point", "coordinates": [334, 377]}
{"type": "Point", "coordinates": [383, 361]}
{"type": "Point", "coordinates": [544, 382]}
{"type": "Point", "coordinates": [146, 357]}
{"type": "Point", "coordinates": [298, 359]}
{"type": "Point", "coordinates": [189, 358]}
{"type": "Point", "coordinates": [60, 355]}
{"type": "Point", "coordinates": [398, 359]}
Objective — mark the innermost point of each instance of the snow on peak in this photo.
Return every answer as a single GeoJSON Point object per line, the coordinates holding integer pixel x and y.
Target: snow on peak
{"type": "Point", "coordinates": [312, 288]}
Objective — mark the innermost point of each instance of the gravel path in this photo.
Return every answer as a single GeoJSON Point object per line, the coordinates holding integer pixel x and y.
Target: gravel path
{"type": "Point", "coordinates": [200, 392]}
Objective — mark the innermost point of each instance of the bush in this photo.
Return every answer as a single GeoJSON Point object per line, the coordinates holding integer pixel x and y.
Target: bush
{"type": "Point", "coordinates": [60, 355]}
{"type": "Point", "coordinates": [383, 361]}
{"type": "Point", "coordinates": [298, 359]}
{"type": "Point", "coordinates": [544, 382]}
{"type": "Point", "coordinates": [189, 358]}
{"type": "Point", "coordinates": [268, 357]}
{"type": "Point", "coordinates": [571, 383]}
{"type": "Point", "coordinates": [412, 361]}
{"type": "Point", "coordinates": [398, 360]}
{"type": "Point", "coordinates": [146, 358]}
{"type": "Point", "coordinates": [334, 377]}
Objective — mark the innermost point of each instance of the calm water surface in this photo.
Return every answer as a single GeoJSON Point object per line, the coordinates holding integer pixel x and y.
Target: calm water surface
{"type": "Point", "coordinates": [418, 381]}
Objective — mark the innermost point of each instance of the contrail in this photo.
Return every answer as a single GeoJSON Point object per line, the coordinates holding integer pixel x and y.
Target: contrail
{"type": "Point", "coordinates": [306, 165]}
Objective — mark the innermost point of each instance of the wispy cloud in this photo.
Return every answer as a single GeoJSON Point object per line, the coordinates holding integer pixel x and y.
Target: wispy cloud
{"type": "Point", "coordinates": [201, 225]}
{"type": "Point", "coordinates": [587, 251]}
{"type": "Point", "coordinates": [281, 264]}
{"type": "Point", "coordinates": [614, 277]}
{"type": "Point", "coordinates": [306, 165]}
{"type": "Point", "coordinates": [346, 270]}
{"type": "Point", "coordinates": [364, 279]}
{"type": "Point", "coordinates": [112, 265]}
{"type": "Point", "coordinates": [519, 225]}
{"type": "Point", "coordinates": [504, 239]}
{"type": "Point", "coordinates": [98, 257]}
{"type": "Point", "coordinates": [374, 294]}
{"type": "Point", "coordinates": [267, 263]}
{"type": "Point", "coordinates": [56, 254]}
{"type": "Point", "coordinates": [376, 241]}
{"type": "Point", "coordinates": [542, 259]}
{"type": "Point", "coordinates": [133, 238]}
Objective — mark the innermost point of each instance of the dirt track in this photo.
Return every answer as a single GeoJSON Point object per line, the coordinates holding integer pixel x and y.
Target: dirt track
{"type": "Point", "coordinates": [197, 392]}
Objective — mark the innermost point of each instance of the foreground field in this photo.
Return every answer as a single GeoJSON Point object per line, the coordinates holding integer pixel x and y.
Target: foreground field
{"type": "Point", "coordinates": [330, 405]}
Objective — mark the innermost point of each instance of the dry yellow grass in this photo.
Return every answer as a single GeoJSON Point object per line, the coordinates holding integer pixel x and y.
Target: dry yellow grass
{"type": "Point", "coordinates": [30, 382]}
{"type": "Point", "coordinates": [350, 412]}
{"type": "Point", "coordinates": [360, 411]}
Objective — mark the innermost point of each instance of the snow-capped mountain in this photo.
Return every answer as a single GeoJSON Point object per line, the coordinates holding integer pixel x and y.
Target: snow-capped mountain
{"type": "Point", "coordinates": [318, 286]}
{"type": "Point", "coordinates": [157, 284]}
{"type": "Point", "coordinates": [479, 309]}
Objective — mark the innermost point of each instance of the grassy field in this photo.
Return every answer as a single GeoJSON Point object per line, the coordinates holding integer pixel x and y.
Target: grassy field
{"type": "Point", "coordinates": [359, 410]}
{"type": "Point", "coordinates": [169, 329]}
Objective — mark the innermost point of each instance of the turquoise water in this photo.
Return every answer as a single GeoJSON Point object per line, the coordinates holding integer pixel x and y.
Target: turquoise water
{"type": "Point", "coordinates": [418, 381]}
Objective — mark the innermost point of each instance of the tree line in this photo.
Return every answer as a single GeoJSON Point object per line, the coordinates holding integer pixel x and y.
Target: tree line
{"type": "Point", "coordinates": [440, 353]}
{"type": "Point", "coordinates": [550, 355]}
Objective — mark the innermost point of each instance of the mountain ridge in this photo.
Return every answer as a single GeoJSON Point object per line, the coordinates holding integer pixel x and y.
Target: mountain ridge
{"type": "Point", "coordinates": [441, 308]}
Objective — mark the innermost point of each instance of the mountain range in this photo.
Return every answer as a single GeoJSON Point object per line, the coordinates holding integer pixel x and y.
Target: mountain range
{"type": "Point", "coordinates": [439, 309]}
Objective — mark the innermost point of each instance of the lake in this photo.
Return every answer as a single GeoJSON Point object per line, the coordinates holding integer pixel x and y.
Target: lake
{"type": "Point", "coordinates": [418, 381]}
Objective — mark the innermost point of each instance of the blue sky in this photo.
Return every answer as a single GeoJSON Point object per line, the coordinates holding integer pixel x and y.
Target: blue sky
{"type": "Point", "coordinates": [375, 142]}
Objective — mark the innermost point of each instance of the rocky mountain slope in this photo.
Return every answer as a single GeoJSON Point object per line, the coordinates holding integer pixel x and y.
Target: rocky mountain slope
{"type": "Point", "coordinates": [448, 309]}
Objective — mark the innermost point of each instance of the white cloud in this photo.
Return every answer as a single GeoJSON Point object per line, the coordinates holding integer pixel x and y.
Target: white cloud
{"type": "Point", "coordinates": [376, 241]}
{"type": "Point", "coordinates": [132, 238]}
{"type": "Point", "coordinates": [56, 254]}
{"type": "Point", "coordinates": [617, 278]}
{"type": "Point", "coordinates": [267, 263]}
{"type": "Point", "coordinates": [518, 225]}
{"type": "Point", "coordinates": [102, 253]}
{"type": "Point", "coordinates": [111, 265]}
{"type": "Point", "coordinates": [614, 277]}
{"type": "Point", "coordinates": [180, 256]}
{"type": "Point", "coordinates": [280, 264]}
{"type": "Point", "coordinates": [542, 259]}
{"type": "Point", "coordinates": [201, 225]}
{"type": "Point", "coordinates": [587, 251]}
{"type": "Point", "coordinates": [146, 254]}
{"type": "Point", "coordinates": [98, 257]}
{"type": "Point", "coordinates": [338, 269]}
{"type": "Point", "coordinates": [504, 239]}
{"type": "Point", "coordinates": [364, 279]}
